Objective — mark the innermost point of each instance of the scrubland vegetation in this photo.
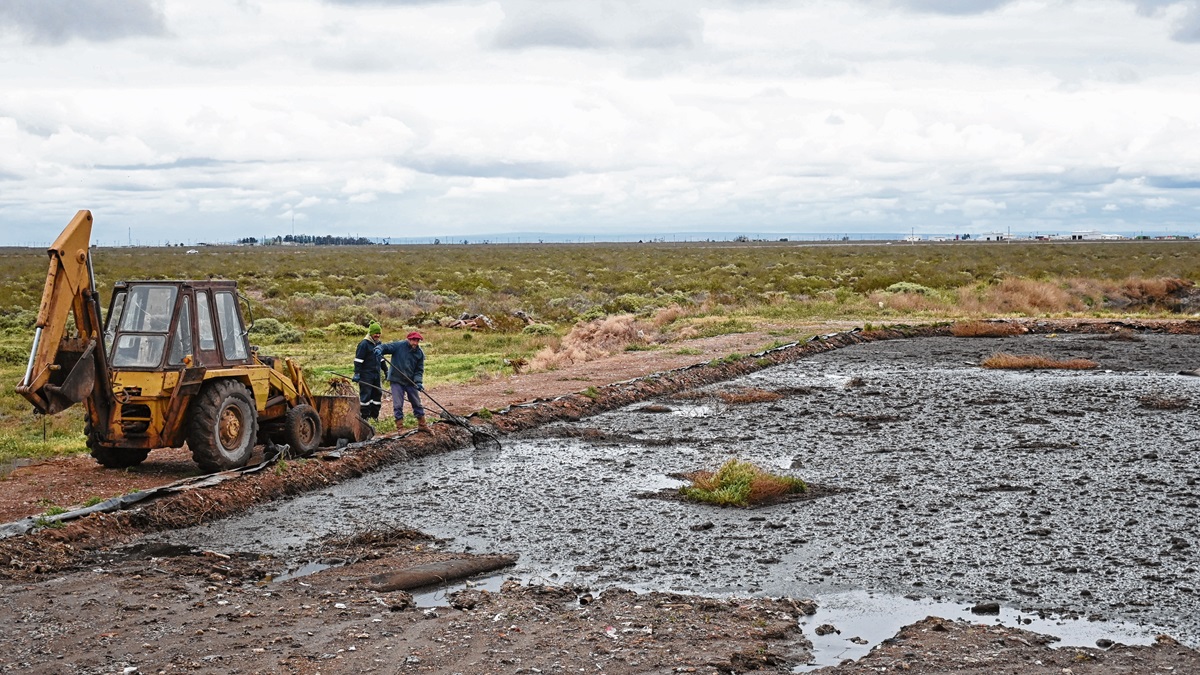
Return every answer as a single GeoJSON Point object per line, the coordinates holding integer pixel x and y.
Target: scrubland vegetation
{"type": "Point", "coordinates": [553, 305]}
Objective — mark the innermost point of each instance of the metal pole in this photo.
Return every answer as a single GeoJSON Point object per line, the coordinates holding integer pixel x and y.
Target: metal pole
{"type": "Point", "coordinates": [37, 339]}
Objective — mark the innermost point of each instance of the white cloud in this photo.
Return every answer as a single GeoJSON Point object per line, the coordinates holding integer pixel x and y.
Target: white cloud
{"type": "Point", "coordinates": [602, 115]}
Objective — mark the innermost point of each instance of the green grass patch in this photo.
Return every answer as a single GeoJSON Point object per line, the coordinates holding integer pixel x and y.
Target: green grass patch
{"type": "Point", "coordinates": [709, 329]}
{"type": "Point", "coordinates": [739, 483]}
{"type": "Point", "coordinates": [635, 347]}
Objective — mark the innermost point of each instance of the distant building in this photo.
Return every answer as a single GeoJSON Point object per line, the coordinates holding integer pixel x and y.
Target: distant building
{"type": "Point", "coordinates": [1093, 235]}
{"type": "Point", "coordinates": [994, 236]}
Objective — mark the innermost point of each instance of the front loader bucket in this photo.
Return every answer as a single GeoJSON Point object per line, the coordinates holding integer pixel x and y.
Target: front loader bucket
{"type": "Point", "coordinates": [340, 417]}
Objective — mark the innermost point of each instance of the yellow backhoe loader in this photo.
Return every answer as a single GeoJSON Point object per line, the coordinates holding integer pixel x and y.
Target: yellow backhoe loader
{"type": "Point", "coordinates": [171, 365]}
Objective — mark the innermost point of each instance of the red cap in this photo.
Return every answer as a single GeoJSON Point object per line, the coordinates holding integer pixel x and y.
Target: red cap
{"type": "Point", "coordinates": [414, 335]}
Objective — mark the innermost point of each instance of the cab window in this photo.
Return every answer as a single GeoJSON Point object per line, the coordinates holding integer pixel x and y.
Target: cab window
{"type": "Point", "coordinates": [148, 309]}
{"type": "Point", "coordinates": [208, 341]}
{"type": "Point", "coordinates": [144, 321]}
{"type": "Point", "coordinates": [114, 317]}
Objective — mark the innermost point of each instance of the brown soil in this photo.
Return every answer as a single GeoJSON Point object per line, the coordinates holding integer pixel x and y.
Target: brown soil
{"type": "Point", "coordinates": [79, 600]}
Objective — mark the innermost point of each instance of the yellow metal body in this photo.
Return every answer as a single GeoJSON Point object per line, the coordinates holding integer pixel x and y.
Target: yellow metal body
{"type": "Point", "coordinates": [151, 409]}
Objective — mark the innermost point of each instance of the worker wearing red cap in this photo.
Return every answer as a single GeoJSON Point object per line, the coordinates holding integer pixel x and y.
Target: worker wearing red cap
{"type": "Point", "coordinates": [406, 374]}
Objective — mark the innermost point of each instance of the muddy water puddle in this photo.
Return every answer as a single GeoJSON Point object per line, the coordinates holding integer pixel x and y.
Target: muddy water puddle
{"type": "Point", "coordinates": [1070, 493]}
{"type": "Point", "coordinates": [863, 619]}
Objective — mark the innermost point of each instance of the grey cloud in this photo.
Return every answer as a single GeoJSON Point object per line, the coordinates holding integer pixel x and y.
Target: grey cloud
{"type": "Point", "coordinates": [578, 25]}
{"type": "Point", "coordinates": [1173, 182]}
{"type": "Point", "coordinates": [386, 3]}
{"type": "Point", "coordinates": [1148, 7]}
{"type": "Point", "coordinates": [183, 163]}
{"type": "Point", "coordinates": [951, 6]}
{"type": "Point", "coordinates": [1187, 28]}
{"type": "Point", "coordinates": [1082, 178]}
{"type": "Point", "coordinates": [452, 166]}
{"type": "Point", "coordinates": [545, 32]}
{"type": "Point", "coordinates": [57, 21]}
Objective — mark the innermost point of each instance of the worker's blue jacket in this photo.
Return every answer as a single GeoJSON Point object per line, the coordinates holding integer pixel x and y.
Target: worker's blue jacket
{"type": "Point", "coordinates": [407, 362]}
{"type": "Point", "coordinates": [367, 364]}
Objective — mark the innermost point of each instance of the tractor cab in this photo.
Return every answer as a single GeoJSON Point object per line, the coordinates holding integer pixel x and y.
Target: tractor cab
{"type": "Point", "coordinates": [167, 325]}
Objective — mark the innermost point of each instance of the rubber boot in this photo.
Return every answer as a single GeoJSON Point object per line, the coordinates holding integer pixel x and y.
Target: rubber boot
{"type": "Point", "coordinates": [421, 426]}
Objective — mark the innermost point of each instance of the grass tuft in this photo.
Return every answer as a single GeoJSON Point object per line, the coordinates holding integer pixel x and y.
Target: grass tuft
{"type": "Point", "coordinates": [748, 395]}
{"type": "Point", "coordinates": [1163, 403]}
{"type": "Point", "coordinates": [1007, 361]}
{"type": "Point", "coordinates": [985, 329]}
{"type": "Point", "coordinates": [739, 483]}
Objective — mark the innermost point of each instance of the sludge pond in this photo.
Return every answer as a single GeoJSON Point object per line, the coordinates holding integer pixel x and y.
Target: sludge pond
{"type": "Point", "coordinates": [1070, 495]}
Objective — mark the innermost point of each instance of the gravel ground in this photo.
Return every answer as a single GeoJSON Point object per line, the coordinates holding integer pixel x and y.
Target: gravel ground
{"type": "Point", "coordinates": [1056, 494]}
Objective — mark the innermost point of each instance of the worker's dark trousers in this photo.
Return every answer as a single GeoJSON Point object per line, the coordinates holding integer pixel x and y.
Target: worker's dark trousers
{"type": "Point", "coordinates": [370, 398]}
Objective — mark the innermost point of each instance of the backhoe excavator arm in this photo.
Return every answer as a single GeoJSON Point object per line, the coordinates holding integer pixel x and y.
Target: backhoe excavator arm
{"type": "Point", "coordinates": [62, 368]}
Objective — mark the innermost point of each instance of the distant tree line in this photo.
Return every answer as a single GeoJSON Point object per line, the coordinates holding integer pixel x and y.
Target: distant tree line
{"type": "Point", "coordinates": [308, 240]}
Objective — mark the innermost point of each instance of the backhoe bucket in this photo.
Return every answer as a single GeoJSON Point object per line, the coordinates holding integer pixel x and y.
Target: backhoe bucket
{"type": "Point", "coordinates": [341, 418]}
{"type": "Point", "coordinates": [64, 391]}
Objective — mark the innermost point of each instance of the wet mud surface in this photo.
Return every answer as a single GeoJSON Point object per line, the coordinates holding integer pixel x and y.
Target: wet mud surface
{"type": "Point", "coordinates": [1057, 493]}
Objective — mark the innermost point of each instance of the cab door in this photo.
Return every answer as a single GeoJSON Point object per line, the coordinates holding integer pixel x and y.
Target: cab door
{"type": "Point", "coordinates": [208, 351]}
{"type": "Point", "coordinates": [235, 349]}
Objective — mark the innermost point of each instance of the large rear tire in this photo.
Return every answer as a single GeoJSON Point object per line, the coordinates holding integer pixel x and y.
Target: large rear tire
{"type": "Point", "coordinates": [224, 426]}
{"type": "Point", "coordinates": [302, 429]}
{"type": "Point", "coordinates": [113, 458]}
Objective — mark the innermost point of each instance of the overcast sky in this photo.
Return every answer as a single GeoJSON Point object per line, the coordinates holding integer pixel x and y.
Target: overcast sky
{"type": "Point", "coordinates": [188, 121]}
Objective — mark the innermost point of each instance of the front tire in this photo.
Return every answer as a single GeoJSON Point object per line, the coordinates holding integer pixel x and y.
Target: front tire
{"type": "Point", "coordinates": [112, 458]}
{"type": "Point", "coordinates": [302, 429]}
{"type": "Point", "coordinates": [224, 427]}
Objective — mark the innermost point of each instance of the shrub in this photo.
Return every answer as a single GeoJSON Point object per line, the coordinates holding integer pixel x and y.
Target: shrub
{"type": "Point", "coordinates": [538, 329]}
{"type": "Point", "coordinates": [592, 340]}
{"type": "Point", "coordinates": [592, 315]}
{"type": "Point", "coordinates": [18, 318]}
{"type": "Point", "coordinates": [909, 287]}
{"type": "Point", "coordinates": [289, 334]}
{"type": "Point", "coordinates": [347, 328]}
{"type": "Point", "coordinates": [739, 483]}
{"type": "Point", "coordinates": [13, 355]}
{"type": "Point", "coordinates": [267, 326]}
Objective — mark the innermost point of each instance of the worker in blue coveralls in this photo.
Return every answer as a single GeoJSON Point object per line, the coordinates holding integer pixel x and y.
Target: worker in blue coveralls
{"type": "Point", "coordinates": [405, 376]}
{"type": "Point", "coordinates": [367, 367]}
